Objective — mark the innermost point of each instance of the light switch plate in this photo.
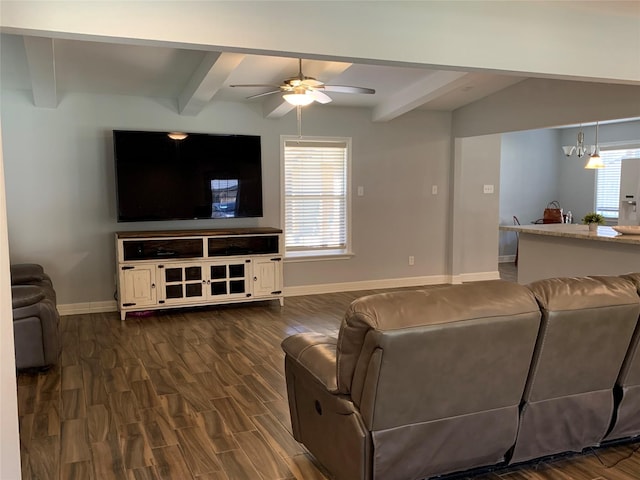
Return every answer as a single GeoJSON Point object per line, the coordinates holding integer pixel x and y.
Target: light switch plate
{"type": "Point", "coordinates": [488, 189]}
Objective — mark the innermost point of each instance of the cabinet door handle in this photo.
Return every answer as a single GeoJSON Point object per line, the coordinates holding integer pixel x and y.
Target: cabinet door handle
{"type": "Point", "coordinates": [153, 285]}
{"type": "Point", "coordinates": [255, 279]}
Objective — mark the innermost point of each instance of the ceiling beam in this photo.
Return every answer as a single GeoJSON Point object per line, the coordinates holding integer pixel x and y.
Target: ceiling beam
{"type": "Point", "coordinates": [428, 88]}
{"type": "Point", "coordinates": [535, 39]}
{"type": "Point", "coordinates": [275, 107]}
{"type": "Point", "coordinates": [206, 80]}
{"type": "Point", "coordinates": [42, 70]}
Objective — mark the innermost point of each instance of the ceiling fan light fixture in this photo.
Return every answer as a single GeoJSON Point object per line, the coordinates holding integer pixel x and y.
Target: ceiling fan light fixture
{"type": "Point", "coordinates": [298, 99]}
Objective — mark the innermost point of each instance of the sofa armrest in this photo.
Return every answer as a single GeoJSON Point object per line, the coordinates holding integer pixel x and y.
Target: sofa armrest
{"type": "Point", "coordinates": [316, 353]}
{"type": "Point", "coordinates": [26, 272]}
{"type": "Point", "coordinates": [25, 295]}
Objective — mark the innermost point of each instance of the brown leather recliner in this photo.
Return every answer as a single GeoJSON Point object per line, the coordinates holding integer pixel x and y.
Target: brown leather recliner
{"type": "Point", "coordinates": [418, 383]}
{"type": "Point", "coordinates": [587, 325]}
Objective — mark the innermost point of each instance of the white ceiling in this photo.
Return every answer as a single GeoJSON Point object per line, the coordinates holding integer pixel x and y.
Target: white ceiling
{"type": "Point", "coordinates": [53, 68]}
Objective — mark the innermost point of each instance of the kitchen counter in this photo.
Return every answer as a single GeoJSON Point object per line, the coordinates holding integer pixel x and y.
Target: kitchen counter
{"type": "Point", "coordinates": [604, 234]}
{"type": "Point", "coordinates": [566, 250]}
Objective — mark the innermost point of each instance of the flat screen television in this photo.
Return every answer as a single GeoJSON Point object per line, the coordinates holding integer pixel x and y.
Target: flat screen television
{"type": "Point", "coordinates": [163, 177]}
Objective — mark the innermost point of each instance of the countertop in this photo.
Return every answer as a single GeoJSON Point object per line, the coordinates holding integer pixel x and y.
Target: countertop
{"type": "Point", "coordinates": [604, 234]}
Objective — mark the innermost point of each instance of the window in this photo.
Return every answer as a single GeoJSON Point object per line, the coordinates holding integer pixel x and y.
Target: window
{"type": "Point", "coordinates": [316, 196]}
{"type": "Point", "coordinates": [608, 181]}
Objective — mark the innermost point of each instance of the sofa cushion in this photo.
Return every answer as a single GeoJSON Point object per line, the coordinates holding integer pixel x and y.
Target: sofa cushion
{"type": "Point", "coordinates": [429, 307]}
{"type": "Point", "coordinates": [578, 350]}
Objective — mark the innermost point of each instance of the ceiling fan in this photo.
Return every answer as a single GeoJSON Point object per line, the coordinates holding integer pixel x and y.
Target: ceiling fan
{"type": "Point", "coordinates": [302, 90]}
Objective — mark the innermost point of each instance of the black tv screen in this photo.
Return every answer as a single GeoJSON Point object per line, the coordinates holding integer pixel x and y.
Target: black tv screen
{"type": "Point", "coordinates": [199, 176]}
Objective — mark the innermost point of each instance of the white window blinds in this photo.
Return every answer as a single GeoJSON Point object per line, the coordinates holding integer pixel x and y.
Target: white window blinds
{"type": "Point", "coordinates": [316, 195]}
{"type": "Point", "coordinates": [608, 181]}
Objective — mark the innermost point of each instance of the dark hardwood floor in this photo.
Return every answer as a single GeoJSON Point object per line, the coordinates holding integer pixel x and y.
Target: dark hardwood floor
{"type": "Point", "coordinates": [199, 394]}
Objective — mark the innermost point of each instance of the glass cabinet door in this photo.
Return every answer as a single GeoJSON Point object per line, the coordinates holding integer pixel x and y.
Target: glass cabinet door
{"type": "Point", "coordinates": [182, 283]}
{"type": "Point", "coordinates": [229, 279]}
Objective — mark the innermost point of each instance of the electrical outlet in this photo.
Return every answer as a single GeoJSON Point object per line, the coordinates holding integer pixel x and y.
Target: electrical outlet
{"type": "Point", "coordinates": [412, 260]}
{"type": "Point", "coordinates": [360, 191]}
{"type": "Point", "coordinates": [434, 189]}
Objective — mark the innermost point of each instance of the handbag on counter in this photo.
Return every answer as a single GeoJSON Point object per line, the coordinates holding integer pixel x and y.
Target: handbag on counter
{"type": "Point", "coordinates": [553, 213]}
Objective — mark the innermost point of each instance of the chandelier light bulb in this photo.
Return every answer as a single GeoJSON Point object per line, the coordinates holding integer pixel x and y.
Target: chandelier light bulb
{"type": "Point", "coordinates": [298, 99]}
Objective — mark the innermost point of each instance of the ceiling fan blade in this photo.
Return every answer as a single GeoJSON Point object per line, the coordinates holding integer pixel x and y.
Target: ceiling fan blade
{"type": "Point", "coordinates": [318, 96]}
{"type": "Point", "coordinates": [263, 94]}
{"type": "Point", "coordinates": [347, 89]}
{"type": "Point", "coordinates": [256, 85]}
{"type": "Point", "coordinates": [311, 82]}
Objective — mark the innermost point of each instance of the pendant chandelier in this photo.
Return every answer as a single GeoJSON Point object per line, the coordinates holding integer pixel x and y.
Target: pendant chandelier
{"type": "Point", "coordinates": [595, 161]}
{"type": "Point", "coordinates": [580, 149]}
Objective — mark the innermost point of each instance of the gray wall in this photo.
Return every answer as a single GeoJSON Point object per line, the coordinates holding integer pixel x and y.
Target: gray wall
{"type": "Point", "coordinates": [61, 200]}
{"type": "Point", "coordinates": [475, 232]}
{"type": "Point", "coordinates": [529, 170]}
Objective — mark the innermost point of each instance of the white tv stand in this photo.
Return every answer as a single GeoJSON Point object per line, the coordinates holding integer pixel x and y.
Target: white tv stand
{"type": "Point", "coordinates": [168, 269]}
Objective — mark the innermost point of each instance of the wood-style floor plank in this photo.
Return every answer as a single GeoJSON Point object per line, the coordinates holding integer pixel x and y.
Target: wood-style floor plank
{"type": "Point", "coordinates": [267, 462]}
{"type": "Point", "coordinates": [220, 436]}
{"type": "Point", "coordinates": [200, 394]}
{"type": "Point", "coordinates": [77, 471]}
{"type": "Point", "coordinates": [197, 450]}
{"type": "Point", "coordinates": [237, 465]}
{"type": "Point", "coordinates": [74, 441]}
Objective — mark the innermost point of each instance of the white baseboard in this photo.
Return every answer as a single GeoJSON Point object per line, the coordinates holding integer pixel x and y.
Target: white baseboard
{"type": "Point", "coordinates": [506, 258]}
{"type": "Point", "coordinates": [365, 285]}
{"type": "Point", "coordinates": [88, 307]}
{"type": "Point", "coordinates": [112, 306]}
{"type": "Point", "coordinates": [475, 277]}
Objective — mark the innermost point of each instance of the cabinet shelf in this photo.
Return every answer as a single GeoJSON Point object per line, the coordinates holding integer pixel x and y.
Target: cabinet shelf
{"type": "Point", "coordinates": [162, 248]}
{"type": "Point", "coordinates": [170, 269]}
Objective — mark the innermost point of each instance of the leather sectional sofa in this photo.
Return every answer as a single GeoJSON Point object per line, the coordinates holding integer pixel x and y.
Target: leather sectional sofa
{"type": "Point", "coordinates": [429, 382]}
{"type": "Point", "coordinates": [35, 317]}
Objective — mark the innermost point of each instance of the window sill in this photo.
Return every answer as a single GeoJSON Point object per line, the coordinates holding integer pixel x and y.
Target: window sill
{"type": "Point", "coordinates": [311, 256]}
